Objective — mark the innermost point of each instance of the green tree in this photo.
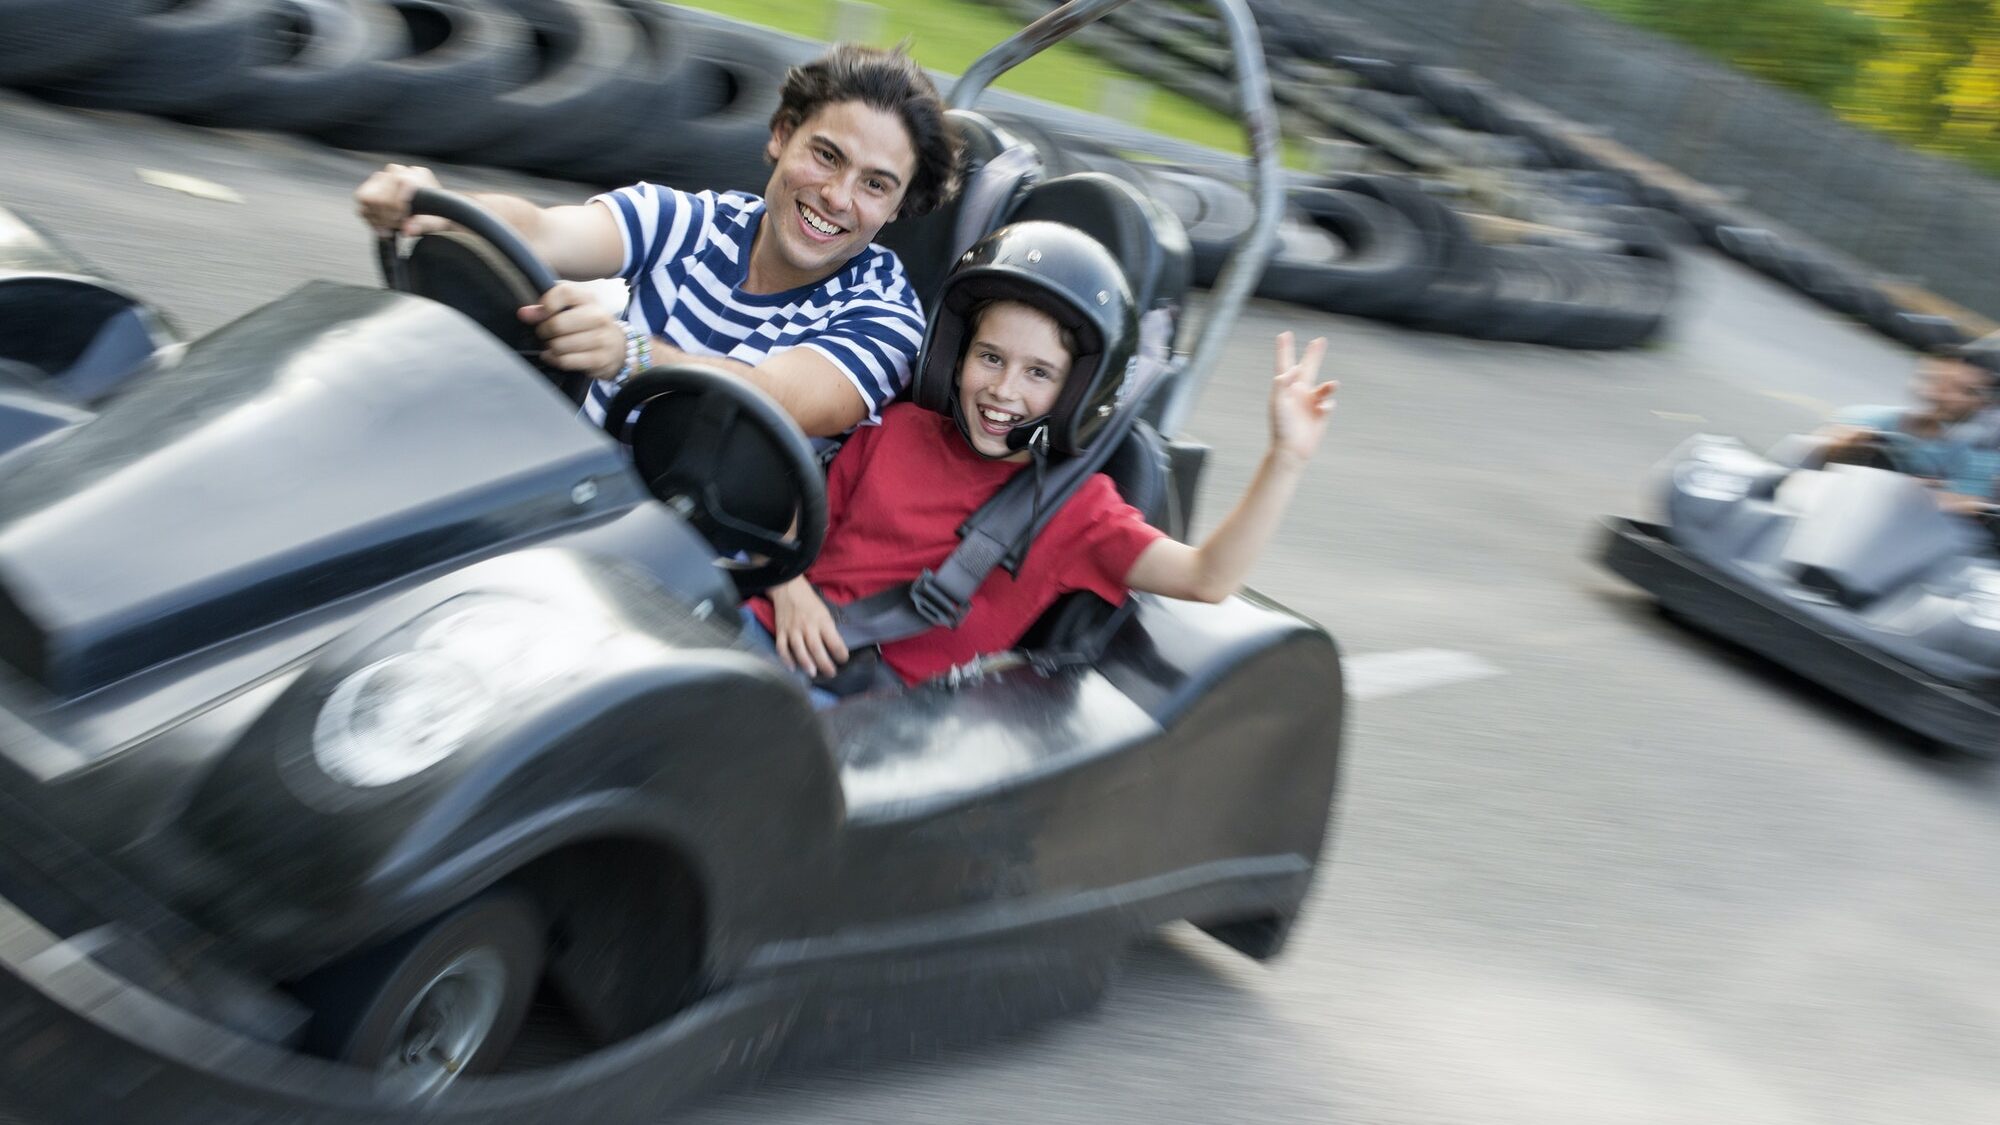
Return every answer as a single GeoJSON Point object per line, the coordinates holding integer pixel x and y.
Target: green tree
{"type": "Point", "coordinates": [1814, 46]}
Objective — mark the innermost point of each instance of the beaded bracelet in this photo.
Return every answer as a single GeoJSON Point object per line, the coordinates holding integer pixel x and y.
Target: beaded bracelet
{"type": "Point", "coordinates": [638, 352]}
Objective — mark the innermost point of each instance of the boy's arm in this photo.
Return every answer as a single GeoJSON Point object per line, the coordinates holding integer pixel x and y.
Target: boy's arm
{"type": "Point", "coordinates": [804, 629]}
{"type": "Point", "coordinates": [1300, 407]}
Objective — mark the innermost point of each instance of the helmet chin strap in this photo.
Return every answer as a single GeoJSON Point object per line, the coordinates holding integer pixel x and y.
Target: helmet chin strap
{"type": "Point", "coordinates": [1032, 434]}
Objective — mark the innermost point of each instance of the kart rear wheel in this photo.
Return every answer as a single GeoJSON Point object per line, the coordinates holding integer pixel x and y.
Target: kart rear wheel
{"type": "Point", "coordinates": [444, 1001]}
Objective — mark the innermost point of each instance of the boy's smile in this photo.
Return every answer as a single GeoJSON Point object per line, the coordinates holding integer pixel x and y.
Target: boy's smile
{"type": "Point", "coordinates": [1012, 373]}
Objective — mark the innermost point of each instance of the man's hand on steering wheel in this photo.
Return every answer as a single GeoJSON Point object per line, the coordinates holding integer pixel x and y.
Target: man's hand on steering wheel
{"type": "Point", "coordinates": [384, 201]}
{"type": "Point", "coordinates": [579, 335]}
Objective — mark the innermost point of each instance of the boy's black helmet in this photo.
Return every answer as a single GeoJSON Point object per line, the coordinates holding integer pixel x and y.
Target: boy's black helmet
{"type": "Point", "coordinates": [1065, 273]}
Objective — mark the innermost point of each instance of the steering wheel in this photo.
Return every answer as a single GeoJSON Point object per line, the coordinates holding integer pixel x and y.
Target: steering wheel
{"type": "Point", "coordinates": [731, 461]}
{"type": "Point", "coordinates": [1886, 451]}
{"type": "Point", "coordinates": [484, 271]}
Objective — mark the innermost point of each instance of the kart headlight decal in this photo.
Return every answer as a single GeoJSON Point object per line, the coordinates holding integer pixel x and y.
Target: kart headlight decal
{"type": "Point", "coordinates": [397, 717]}
{"type": "Point", "coordinates": [517, 645]}
{"type": "Point", "coordinates": [1712, 482]}
{"type": "Point", "coordinates": [446, 675]}
{"type": "Point", "coordinates": [1980, 606]}
{"type": "Point", "coordinates": [1719, 471]}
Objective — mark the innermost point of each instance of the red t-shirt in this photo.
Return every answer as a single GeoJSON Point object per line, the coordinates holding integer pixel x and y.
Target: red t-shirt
{"type": "Point", "coordinates": [896, 497]}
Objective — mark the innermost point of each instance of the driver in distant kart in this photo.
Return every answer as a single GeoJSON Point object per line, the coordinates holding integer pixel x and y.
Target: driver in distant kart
{"type": "Point", "coordinates": [1033, 330]}
{"type": "Point", "coordinates": [800, 306]}
{"type": "Point", "coordinates": [1950, 439]}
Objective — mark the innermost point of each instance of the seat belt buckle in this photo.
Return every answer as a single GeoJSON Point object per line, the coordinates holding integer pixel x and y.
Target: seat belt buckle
{"type": "Point", "coordinates": [934, 604]}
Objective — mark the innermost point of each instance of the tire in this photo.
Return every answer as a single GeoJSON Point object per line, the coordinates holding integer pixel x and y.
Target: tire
{"type": "Point", "coordinates": [585, 63]}
{"type": "Point", "coordinates": [1058, 158]}
{"type": "Point", "coordinates": [1380, 270]}
{"type": "Point", "coordinates": [482, 961]}
{"type": "Point", "coordinates": [729, 89]}
{"type": "Point", "coordinates": [1174, 193]}
{"type": "Point", "coordinates": [50, 40]}
{"type": "Point", "coordinates": [657, 90]}
{"type": "Point", "coordinates": [315, 66]}
{"type": "Point", "coordinates": [1624, 301]}
{"type": "Point", "coordinates": [180, 57]}
{"type": "Point", "coordinates": [1222, 214]}
{"type": "Point", "coordinates": [1534, 296]}
{"type": "Point", "coordinates": [462, 57]}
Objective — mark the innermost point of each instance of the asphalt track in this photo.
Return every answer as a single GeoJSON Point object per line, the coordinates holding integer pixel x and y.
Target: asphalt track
{"type": "Point", "coordinates": [1587, 867]}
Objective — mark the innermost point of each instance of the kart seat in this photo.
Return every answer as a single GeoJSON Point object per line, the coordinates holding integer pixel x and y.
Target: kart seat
{"type": "Point", "coordinates": [1148, 241]}
{"type": "Point", "coordinates": [79, 338]}
{"type": "Point", "coordinates": [1079, 625]}
{"type": "Point", "coordinates": [996, 167]}
{"type": "Point", "coordinates": [20, 376]}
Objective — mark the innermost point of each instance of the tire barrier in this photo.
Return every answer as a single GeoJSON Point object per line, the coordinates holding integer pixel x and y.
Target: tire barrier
{"type": "Point", "coordinates": [314, 68]}
{"type": "Point", "coordinates": [1459, 119]}
{"type": "Point", "coordinates": [42, 40]}
{"type": "Point", "coordinates": [1380, 245]}
{"type": "Point", "coordinates": [604, 91]}
{"type": "Point", "coordinates": [583, 88]}
{"type": "Point", "coordinates": [1310, 34]}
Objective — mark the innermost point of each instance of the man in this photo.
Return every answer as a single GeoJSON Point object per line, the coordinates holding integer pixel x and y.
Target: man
{"type": "Point", "coordinates": [784, 291]}
{"type": "Point", "coordinates": [1951, 438]}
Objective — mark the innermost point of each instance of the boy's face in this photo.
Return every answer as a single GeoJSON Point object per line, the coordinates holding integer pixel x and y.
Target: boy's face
{"type": "Point", "coordinates": [839, 175]}
{"type": "Point", "coordinates": [1013, 369]}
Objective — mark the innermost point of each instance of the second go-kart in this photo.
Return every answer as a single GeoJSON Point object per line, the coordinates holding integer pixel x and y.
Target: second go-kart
{"type": "Point", "coordinates": [361, 707]}
{"type": "Point", "coordinates": [1850, 575]}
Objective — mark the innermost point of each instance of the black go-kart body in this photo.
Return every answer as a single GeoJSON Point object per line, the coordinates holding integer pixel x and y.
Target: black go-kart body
{"type": "Point", "coordinates": [1849, 575]}
{"type": "Point", "coordinates": [342, 635]}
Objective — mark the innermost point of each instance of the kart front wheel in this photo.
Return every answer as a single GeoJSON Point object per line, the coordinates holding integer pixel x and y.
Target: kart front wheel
{"type": "Point", "coordinates": [438, 1003]}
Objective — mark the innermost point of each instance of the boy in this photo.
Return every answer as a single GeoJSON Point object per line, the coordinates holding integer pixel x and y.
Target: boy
{"type": "Point", "coordinates": [1027, 355]}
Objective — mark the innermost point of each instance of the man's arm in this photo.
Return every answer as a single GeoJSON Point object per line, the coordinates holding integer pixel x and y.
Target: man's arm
{"type": "Point", "coordinates": [812, 388]}
{"type": "Point", "coordinates": [578, 242]}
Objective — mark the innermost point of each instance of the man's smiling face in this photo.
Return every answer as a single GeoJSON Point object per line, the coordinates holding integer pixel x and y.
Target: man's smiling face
{"type": "Point", "coordinates": [840, 175]}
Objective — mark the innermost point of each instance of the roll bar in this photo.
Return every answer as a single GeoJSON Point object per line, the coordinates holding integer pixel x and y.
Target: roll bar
{"type": "Point", "coordinates": [1260, 127]}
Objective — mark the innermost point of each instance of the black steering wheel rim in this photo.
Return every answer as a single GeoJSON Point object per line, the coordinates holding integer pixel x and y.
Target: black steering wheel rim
{"type": "Point", "coordinates": [1883, 450]}
{"type": "Point", "coordinates": [694, 474]}
{"type": "Point", "coordinates": [497, 261]}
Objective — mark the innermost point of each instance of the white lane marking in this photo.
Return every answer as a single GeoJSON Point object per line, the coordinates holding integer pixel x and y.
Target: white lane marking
{"type": "Point", "coordinates": [1377, 675]}
{"type": "Point", "coordinates": [1817, 405]}
{"type": "Point", "coordinates": [1678, 416]}
{"type": "Point", "coordinates": [190, 185]}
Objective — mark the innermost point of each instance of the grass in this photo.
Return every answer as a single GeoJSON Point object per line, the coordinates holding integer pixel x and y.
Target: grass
{"type": "Point", "coordinates": [948, 35]}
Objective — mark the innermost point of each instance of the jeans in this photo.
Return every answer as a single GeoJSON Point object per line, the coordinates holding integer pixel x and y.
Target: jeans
{"type": "Point", "coordinates": [766, 645]}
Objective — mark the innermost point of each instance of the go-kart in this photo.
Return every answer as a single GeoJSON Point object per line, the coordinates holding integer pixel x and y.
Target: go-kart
{"type": "Point", "coordinates": [1850, 575]}
{"type": "Point", "coordinates": [359, 704]}
{"type": "Point", "coordinates": [68, 340]}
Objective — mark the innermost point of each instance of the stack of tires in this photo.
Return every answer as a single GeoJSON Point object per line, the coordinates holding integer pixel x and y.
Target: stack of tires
{"type": "Point", "coordinates": [1381, 246]}
{"type": "Point", "coordinates": [1308, 33]}
{"type": "Point", "coordinates": [1593, 272]}
{"type": "Point", "coordinates": [598, 90]}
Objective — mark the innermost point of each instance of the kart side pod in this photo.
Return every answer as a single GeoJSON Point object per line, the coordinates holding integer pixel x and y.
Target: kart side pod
{"type": "Point", "coordinates": [520, 710]}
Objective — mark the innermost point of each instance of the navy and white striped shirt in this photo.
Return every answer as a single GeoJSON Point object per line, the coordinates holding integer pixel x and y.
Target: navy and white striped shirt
{"type": "Point", "coordinates": [686, 258]}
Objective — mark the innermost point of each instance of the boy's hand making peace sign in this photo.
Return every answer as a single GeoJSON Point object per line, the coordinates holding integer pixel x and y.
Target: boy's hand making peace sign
{"type": "Point", "coordinates": [1300, 404]}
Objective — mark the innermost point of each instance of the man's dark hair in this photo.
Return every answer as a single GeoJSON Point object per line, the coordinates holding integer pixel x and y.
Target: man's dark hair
{"type": "Point", "coordinates": [892, 82]}
{"type": "Point", "coordinates": [1984, 354]}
